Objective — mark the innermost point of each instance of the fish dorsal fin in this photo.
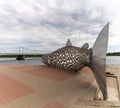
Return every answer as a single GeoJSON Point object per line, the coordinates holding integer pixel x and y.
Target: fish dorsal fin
{"type": "Point", "coordinates": [85, 46]}
{"type": "Point", "coordinates": [68, 43]}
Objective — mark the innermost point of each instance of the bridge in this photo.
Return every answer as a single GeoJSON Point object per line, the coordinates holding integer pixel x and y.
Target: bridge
{"type": "Point", "coordinates": [22, 51]}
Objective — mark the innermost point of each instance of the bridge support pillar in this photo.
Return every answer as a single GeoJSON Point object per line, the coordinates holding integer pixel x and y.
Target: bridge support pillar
{"type": "Point", "coordinates": [20, 57]}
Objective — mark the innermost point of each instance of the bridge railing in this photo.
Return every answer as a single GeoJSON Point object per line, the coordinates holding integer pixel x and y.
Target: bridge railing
{"type": "Point", "coordinates": [22, 51]}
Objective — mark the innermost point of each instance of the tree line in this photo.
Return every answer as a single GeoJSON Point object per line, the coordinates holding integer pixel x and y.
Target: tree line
{"type": "Point", "coordinates": [113, 54]}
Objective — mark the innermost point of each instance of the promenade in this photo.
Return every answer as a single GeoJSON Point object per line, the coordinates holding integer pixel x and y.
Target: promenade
{"type": "Point", "coordinates": [34, 86]}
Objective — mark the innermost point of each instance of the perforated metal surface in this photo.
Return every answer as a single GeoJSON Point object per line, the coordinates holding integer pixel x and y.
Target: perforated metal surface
{"type": "Point", "coordinates": [69, 58]}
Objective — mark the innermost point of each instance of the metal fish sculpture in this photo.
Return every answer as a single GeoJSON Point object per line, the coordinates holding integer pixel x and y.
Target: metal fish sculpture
{"type": "Point", "coordinates": [74, 58]}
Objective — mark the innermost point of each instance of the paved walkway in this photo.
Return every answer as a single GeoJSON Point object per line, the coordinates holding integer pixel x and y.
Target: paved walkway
{"type": "Point", "coordinates": [32, 86]}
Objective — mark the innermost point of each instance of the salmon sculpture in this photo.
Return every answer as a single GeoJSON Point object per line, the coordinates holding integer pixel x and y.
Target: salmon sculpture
{"type": "Point", "coordinates": [74, 58]}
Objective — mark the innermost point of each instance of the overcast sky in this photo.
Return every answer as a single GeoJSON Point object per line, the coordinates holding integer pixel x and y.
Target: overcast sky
{"type": "Point", "coordinates": [47, 24]}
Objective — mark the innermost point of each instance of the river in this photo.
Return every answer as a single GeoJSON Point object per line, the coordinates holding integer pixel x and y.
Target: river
{"type": "Point", "coordinates": [111, 60]}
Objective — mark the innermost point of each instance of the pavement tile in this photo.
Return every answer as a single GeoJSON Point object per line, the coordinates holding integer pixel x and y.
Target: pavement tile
{"type": "Point", "coordinates": [11, 89]}
{"type": "Point", "coordinates": [19, 67]}
{"type": "Point", "coordinates": [85, 70]}
{"type": "Point", "coordinates": [76, 92]}
{"type": "Point", "coordinates": [55, 104]}
{"type": "Point", "coordinates": [86, 84]}
{"type": "Point", "coordinates": [51, 73]}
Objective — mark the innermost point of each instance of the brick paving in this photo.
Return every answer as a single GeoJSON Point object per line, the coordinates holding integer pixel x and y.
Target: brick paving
{"type": "Point", "coordinates": [52, 74]}
{"type": "Point", "coordinates": [10, 89]}
{"type": "Point", "coordinates": [33, 86]}
{"type": "Point", "coordinates": [55, 105]}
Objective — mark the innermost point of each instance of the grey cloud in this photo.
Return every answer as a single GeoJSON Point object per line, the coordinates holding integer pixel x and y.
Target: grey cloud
{"type": "Point", "coordinates": [60, 19]}
{"type": "Point", "coordinates": [45, 19]}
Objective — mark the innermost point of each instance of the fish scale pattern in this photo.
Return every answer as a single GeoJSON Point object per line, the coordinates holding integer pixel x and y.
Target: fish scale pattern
{"type": "Point", "coordinates": [69, 58]}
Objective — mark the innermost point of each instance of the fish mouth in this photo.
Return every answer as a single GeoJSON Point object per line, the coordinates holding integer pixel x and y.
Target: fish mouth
{"type": "Point", "coordinates": [44, 59]}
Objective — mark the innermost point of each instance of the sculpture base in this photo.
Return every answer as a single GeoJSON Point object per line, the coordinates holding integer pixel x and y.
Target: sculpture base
{"type": "Point", "coordinates": [112, 88]}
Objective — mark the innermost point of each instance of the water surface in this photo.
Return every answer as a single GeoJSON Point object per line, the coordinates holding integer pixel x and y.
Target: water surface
{"type": "Point", "coordinates": [110, 60]}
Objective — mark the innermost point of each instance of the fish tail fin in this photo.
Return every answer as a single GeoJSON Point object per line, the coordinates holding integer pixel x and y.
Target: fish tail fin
{"type": "Point", "coordinates": [98, 60]}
